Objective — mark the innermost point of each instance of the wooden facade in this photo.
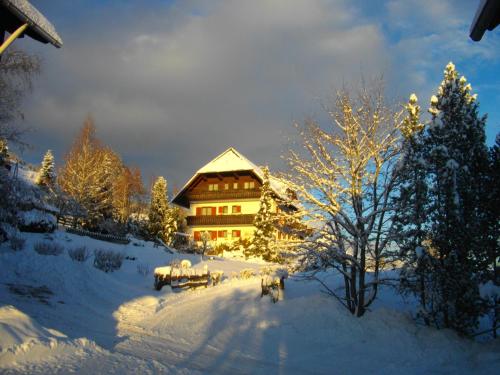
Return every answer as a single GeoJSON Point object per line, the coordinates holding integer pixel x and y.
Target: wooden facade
{"type": "Point", "coordinates": [221, 186]}
{"type": "Point", "coordinates": [223, 198]}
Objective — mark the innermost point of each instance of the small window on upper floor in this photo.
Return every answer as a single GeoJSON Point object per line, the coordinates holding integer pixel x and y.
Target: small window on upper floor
{"type": "Point", "coordinates": [213, 187]}
{"type": "Point", "coordinates": [235, 185]}
{"type": "Point", "coordinates": [226, 186]}
{"type": "Point", "coordinates": [249, 185]}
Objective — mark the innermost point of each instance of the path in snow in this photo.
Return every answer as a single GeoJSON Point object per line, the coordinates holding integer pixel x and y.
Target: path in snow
{"type": "Point", "coordinates": [97, 323]}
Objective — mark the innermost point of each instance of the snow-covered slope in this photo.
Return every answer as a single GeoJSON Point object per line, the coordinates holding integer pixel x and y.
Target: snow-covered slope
{"type": "Point", "coordinates": [60, 316]}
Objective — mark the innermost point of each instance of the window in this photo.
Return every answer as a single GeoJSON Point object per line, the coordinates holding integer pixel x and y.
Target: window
{"type": "Point", "coordinates": [205, 211]}
{"type": "Point", "coordinates": [222, 234]}
{"type": "Point", "coordinates": [226, 186]}
{"type": "Point", "coordinates": [223, 210]}
{"type": "Point", "coordinates": [236, 209]}
{"type": "Point", "coordinates": [197, 235]}
{"type": "Point", "coordinates": [235, 185]}
{"type": "Point", "coordinates": [213, 187]}
{"type": "Point", "coordinates": [213, 235]}
{"type": "Point", "coordinates": [236, 234]}
{"type": "Point", "coordinates": [249, 185]}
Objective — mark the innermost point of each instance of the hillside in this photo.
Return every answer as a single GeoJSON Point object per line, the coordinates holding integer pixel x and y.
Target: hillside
{"type": "Point", "coordinates": [60, 316]}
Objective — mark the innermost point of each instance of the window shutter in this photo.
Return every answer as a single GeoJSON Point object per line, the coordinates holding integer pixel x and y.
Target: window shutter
{"type": "Point", "coordinates": [213, 211]}
{"type": "Point", "coordinates": [221, 210]}
{"type": "Point", "coordinates": [197, 235]}
{"type": "Point", "coordinates": [213, 235]}
{"type": "Point", "coordinates": [198, 212]}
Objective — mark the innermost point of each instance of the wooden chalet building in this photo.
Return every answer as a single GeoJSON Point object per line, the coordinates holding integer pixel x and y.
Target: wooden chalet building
{"type": "Point", "coordinates": [223, 197]}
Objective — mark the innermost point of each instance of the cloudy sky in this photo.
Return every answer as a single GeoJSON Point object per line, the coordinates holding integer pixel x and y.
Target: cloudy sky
{"type": "Point", "coordinates": [171, 84]}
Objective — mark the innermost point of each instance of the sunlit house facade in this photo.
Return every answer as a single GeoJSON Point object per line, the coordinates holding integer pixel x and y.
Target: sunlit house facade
{"type": "Point", "coordinates": [223, 197]}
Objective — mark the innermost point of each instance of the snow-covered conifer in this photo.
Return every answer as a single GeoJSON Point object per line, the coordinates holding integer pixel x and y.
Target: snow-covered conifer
{"type": "Point", "coordinates": [456, 161]}
{"type": "Point", "coordinates": [263, 238]}
{"type": "Point", "coordinates": [411, 201]}
{"type": "Point", "coordinates": [47, 174]}
{"type": "Point", "coordinates": [158, 208]}
{"type": "Point", "coordinates": [171, 224]}
{"type": "Point", "coordinates": [4, 151]}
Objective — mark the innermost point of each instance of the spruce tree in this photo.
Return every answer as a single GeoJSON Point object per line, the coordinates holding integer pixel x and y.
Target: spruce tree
{"type": "Point", "coordinates": [456, 160]}
{"type": "Point", "coordinates": [171, 224]}
{"type": "Point", "coordinates": [492, 207]}
{"type": "Point", "coordinates": [4, 152]}
{"type": "Point", "coordinates": [158, 209]}
{"type": "Point", "coordinates": [47, 174]}
{"type": "Point", "coordinates": [263, 238]}
{"type": "Point", "coordinates": [410, 217]}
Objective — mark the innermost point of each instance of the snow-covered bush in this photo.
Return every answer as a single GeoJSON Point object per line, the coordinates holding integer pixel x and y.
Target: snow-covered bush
{"type": "Point", "coordinates": [108, 260]}
{"type": "Point", "coordinates": [143, 269]}
{"type": "Point", "coordinates": [36, 221]}
{"type": "Point", "coordinates": [79, 254]}
{"type": "Point", "coordinates": [216, 277]}
{"type": "Point", "coordinates": [48, 248]}
{"type": "Point", "coordinates": [219, 249]}
{"type": "Point", "coordinates": [112, 227]}
{"type": "Point", "coordinates": [247, 273]}
{"type": "Point", "coordinates": [17, 243]}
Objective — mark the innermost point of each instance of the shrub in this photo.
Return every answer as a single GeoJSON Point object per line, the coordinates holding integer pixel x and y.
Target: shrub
{"type": "Point", "coordinates": [107, 260]}
{"type": "Point", "coordinates": [219, 249]}
{"type": "Point", "coordinates": [36, 221]}
{"type": "Point", "coordinates": [247, 273]}
{"type": "Point", "coordinates": [143, 269]}
{"type": "Point", "coordinates": [47, 248]}
{"type": "Point", "coordinates": [79, 254]}
{"type": "Point", "coordinates": [241, 245]}
{"type": "Point", "coordinates": [17, 243]}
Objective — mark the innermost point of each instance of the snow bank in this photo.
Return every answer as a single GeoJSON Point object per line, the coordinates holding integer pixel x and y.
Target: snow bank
{"type": "Point", "coordinates": [92, 322]}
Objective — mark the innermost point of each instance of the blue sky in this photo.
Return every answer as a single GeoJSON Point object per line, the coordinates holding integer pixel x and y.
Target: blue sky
{"type": "Point", "coordinates": [171, 84]}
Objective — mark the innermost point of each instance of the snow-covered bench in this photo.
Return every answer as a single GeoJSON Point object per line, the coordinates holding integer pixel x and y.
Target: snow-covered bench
{"type": "Point", "coordinates": [181, 275]}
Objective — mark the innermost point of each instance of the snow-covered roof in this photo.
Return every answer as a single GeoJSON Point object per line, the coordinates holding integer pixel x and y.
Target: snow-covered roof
{"type": "Point", "coordinates": [233, 161]}
{"type": "Point", "coordinates": [39, 27]}
{"type": "Point", "coordinates": [229, 161]}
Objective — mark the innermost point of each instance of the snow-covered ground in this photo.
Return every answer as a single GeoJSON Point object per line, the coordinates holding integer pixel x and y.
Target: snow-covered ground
{"type": "Point", "coordinates": [58, 316]}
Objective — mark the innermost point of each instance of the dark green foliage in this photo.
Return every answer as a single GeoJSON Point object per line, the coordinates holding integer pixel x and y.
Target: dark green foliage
{"type": "Point", "coordinates": [441, 216]}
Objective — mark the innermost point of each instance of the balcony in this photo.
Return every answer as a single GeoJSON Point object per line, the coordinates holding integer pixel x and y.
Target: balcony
{"type": "Point", "coordinates": [223, 194]}
{"type": "Point", "coordinates": [220, 220]}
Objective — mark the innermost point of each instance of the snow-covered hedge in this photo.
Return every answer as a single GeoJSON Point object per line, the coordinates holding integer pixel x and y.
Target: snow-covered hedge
{"type": "Point", "coordinates": [107, 260]}
{"type": "Point", "coordinates": [17, 243]}
{"type": "Point", "coordinates": [36, 221]}
{"type": "Point", "coordinates": [48, 248]}
{"type": "Point", "coordinates": [79, 254]}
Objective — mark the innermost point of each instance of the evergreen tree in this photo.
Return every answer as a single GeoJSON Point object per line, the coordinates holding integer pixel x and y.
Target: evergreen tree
{"type": "Point", "coordinates": [171, 224]}
{"type": "Point", "coordinates": [492, 203]}
{"type": "Point", "coordinates": [263, 238]}
{"type": "Point", "coordinates": [158, 209]}
{"type": "Point", "coordinates": [410, 216]}
{"type": "Point", "coordinates": [4, 152]}
{"type": "Point", "coordinates": [453, 154]}
{"type": "Point", "coordinates": [47, 174]}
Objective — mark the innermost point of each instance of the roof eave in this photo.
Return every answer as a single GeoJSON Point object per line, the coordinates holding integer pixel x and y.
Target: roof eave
{"type": "Point", "coordinates": [41, 34]}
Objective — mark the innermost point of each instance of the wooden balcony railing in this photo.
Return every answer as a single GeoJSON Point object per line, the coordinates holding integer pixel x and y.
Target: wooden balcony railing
{"type": "Point", "coordinates": [220, 220]}
{"type": "Point", "coordinates": [223, 194]}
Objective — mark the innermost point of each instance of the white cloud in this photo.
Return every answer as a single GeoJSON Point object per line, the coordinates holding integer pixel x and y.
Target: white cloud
{"type": "Point", "coordinates": [172, 86]}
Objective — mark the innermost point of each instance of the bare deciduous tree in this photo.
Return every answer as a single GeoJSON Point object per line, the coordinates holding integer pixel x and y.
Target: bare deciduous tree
{"type": "Point", "coordinates": [344, 174]}
{"type": "Point", "coordinates": [17, 69]}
